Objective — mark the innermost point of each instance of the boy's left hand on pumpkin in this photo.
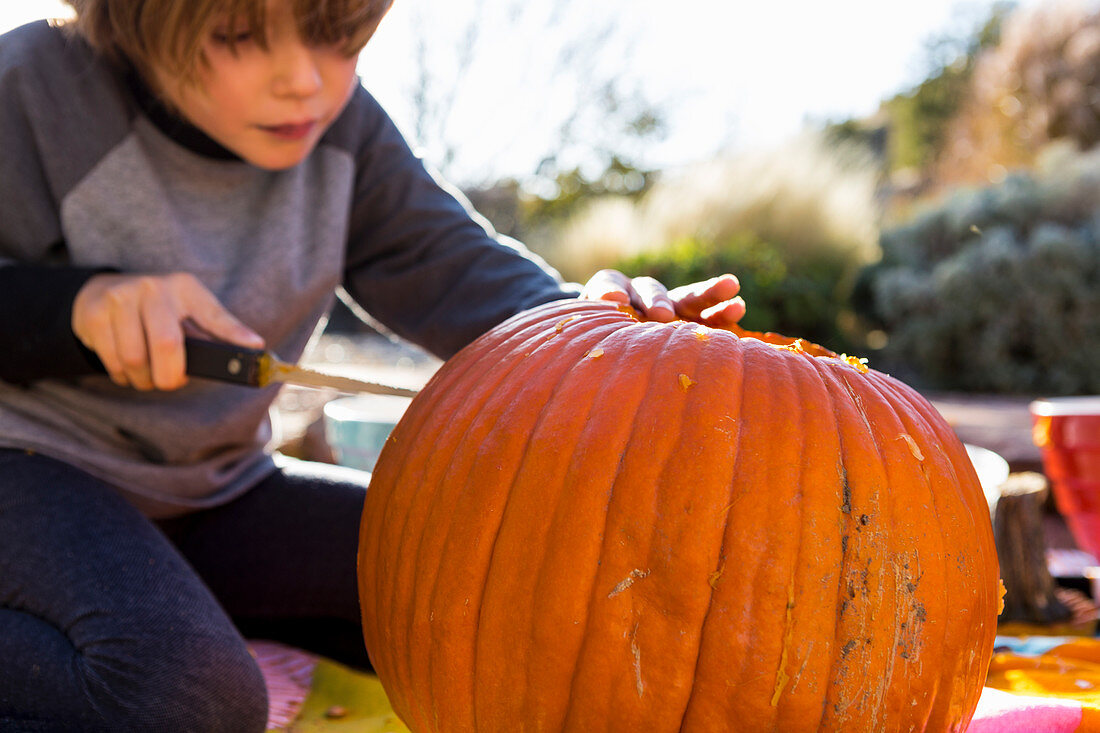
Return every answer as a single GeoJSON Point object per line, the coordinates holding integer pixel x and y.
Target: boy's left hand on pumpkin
{"type": "Point", "coordinates": [713, 302]}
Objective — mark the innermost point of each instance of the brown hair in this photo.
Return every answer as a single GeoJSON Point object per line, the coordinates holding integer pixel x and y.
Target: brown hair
{"type": "Point", "coordinates": [169, 33]}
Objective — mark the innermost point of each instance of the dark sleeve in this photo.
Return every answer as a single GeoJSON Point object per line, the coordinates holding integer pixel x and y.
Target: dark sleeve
{"type": "Point", "coordinates": [48, 142]}
{"type": "Point", "coordinates": [36, 336]}
{"type": "Point", "coordinates": [419, 260]}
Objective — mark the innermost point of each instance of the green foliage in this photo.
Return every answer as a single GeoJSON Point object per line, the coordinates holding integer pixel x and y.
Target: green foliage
{"type": "Point", "coordinates": [996, 289]}
{"type": "Point", "coordinates": [534, 216]}
{"type": "Point", "coordinates": [572, 189]}
{"type": "Point", "coordinates": [920, 118]}
{"type": "Point", "coordinates": [803, 298]}
{"type": "Point", "coordinates": [794, 224]}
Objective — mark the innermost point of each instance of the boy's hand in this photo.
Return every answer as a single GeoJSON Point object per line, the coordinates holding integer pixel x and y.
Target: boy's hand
{"type": "Point", "coordinates": [135, 325]}
{"type": "Point", "coordinates": [712, 302]}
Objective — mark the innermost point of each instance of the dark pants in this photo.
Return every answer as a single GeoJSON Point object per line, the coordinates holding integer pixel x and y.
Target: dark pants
{"type": "Point", "coordinates": [109, 621]}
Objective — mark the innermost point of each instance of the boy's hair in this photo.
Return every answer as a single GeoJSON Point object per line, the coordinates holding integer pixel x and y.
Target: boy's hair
{"type": "Point", "coordinates": [170, 33]}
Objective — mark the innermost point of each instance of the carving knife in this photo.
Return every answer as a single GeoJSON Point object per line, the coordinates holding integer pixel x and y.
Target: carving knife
{"type": "Point", "coordinates": [259, 368]}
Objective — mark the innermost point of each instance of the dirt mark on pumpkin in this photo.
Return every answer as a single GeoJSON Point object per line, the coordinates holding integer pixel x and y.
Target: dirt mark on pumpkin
{"type": "Point", "coordinates": [908, 633]}
{"type": "Point", "coordinates": [845, 489]}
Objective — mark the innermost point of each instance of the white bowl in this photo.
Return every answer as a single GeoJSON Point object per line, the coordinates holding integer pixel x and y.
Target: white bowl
{"type": "Point", "coordinates": [992, 471]}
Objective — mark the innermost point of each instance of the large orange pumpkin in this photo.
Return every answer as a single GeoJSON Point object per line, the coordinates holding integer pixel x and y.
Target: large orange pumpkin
{"type": "Point", "coordinates": [587, 522]}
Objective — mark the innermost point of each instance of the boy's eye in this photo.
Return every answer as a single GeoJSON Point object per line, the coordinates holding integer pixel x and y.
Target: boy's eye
{"type": "Point", "coordinates": [225, 38]}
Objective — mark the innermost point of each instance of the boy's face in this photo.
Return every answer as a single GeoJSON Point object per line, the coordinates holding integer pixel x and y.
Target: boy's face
{"type": "Point", "coordinates": [269, 107]}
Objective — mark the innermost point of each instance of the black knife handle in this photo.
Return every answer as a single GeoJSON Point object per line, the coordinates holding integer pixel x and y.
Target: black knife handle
{"type": "Point", "coordinates": [222, 361]}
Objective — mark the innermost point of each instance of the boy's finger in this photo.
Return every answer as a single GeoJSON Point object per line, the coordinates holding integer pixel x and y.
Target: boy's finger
{"type": "Point", "coordinates": [724, 314]}
{"type": "Point", "coordinates": [691, 300]}
{"type": "Point", "coordinates": [104, 347]}
{"type": "Point", "coordinates": [130, 345]}
{"type": "Point", "coordinates": [94, 331]}
{"type": "Point", "coordinates": [653, 298]}
{"type": "Point", "coordinates": [164, 337]}
{"type": "Point", "coordinates": [607, 285]}
{"type": "Point", "coordinates": [209, 315]}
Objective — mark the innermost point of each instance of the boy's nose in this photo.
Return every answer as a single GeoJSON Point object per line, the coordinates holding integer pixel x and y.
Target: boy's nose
{"type": "Point", "coordinates": [297, 73]}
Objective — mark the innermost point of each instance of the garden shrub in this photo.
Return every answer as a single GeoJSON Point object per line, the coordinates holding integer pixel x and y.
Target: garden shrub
{"type": "Point", "coordinates": [804, 298]}
{"type": "Point", "coordinates": [794, 223]}
{"type": "Point", "coordinates": [996, 289]}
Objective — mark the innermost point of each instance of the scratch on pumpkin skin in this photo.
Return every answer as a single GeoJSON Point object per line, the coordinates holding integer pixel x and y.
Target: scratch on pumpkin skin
{"type": "Point", "coordinates": [686, 382]}
{"type": "Point", "coordinates": [913, 447]}
{"type": "Point", "coordinates": [595, 353]}
{"type": "Point", "coordinates": [635, 574]}
{"type": "Point", "coordinates": [908, 640]}
{"type": "Point", "coordinates": [781, 676]}
{"type": "Point", "coordinates": [857, 401]}
{"type": "Point", "coordinates": [637, 652]}
{"type": "Point", "coordinates": [713, 577]}
{"type": "Point", "coordinates": [802, 668]}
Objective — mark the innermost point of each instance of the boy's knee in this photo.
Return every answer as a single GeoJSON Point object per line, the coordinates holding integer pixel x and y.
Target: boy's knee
{"type": "Point", "coordinates": [213, 687]}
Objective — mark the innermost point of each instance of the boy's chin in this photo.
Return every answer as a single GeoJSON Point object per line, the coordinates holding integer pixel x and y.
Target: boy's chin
{"type": "Point", "coordinates": [275, 161]}
{"type": "Point", "coordinates": [272, 156]}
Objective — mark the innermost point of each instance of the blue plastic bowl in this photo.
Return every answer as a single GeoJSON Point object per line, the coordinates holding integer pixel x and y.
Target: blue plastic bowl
{"type": "Point", "coordinates": [356, 428]}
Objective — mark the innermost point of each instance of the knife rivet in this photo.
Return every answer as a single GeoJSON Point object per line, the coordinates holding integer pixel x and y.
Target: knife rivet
{"type": "Point", "coordinates": [234, 366]}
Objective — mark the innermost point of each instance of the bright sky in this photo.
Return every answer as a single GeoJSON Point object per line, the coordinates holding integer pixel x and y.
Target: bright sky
{"type": "Point", "coordinates": [726, 73]}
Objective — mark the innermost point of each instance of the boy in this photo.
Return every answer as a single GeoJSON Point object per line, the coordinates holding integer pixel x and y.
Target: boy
{"type": "Point", "coordinates": [205, 165]}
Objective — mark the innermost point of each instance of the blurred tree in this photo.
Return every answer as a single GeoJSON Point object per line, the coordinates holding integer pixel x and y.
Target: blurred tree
{"type": "Point", "coordinates": [592, 116]}
{"type": "Point", "coordinates": [1039, 85]}
{"type": "Point", "coordinates": [572, 188]}
{"type": "Point", "coordinates": [919, 119]}
{"type": "Point", "coordinates": [534, 217]}
{"type": "Point", "coordinates": [595, 116]}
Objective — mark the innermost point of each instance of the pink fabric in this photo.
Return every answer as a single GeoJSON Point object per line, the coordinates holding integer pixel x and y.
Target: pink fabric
{"type": "Point", "coordinates": [288, 673]}
{"type": "Point", "coordinates": [1004, 712]}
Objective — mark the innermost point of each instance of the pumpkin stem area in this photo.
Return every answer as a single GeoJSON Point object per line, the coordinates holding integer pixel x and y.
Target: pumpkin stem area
{"type": "Point", "coordinates": [790, 343]}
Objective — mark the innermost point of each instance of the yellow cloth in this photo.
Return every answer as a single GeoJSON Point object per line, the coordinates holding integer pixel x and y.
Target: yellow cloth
{"type": "Point", "coordinates": [1069, 670]}
{"type": "Point", "coordinates": [341, 700]}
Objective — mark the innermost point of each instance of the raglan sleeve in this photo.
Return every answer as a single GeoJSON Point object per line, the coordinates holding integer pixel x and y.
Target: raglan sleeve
{"type": "Point", "coordinates": [419, 259]}
{"type": "Point", "coordinates": [37, 285]}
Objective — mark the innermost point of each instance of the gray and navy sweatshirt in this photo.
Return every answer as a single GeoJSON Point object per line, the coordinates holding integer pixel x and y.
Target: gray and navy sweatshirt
{"type": "Point", "coordinates": [95, 175]}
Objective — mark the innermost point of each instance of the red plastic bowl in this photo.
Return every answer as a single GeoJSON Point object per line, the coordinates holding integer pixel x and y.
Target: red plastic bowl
{"type": "Point", "coordinates": [1067, 431]}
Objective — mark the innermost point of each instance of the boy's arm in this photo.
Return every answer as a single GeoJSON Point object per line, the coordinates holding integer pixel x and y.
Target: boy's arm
{"type": "Point", "coordinates": [36, 336]}
{"type": "Point", "coordinates": [419, 260]}
{"type": "Point", "coordinates": [36, 292]}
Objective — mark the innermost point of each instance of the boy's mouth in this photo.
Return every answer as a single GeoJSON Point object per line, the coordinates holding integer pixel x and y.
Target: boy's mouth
{"type": "Point", "coordinates": [290, 131]}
